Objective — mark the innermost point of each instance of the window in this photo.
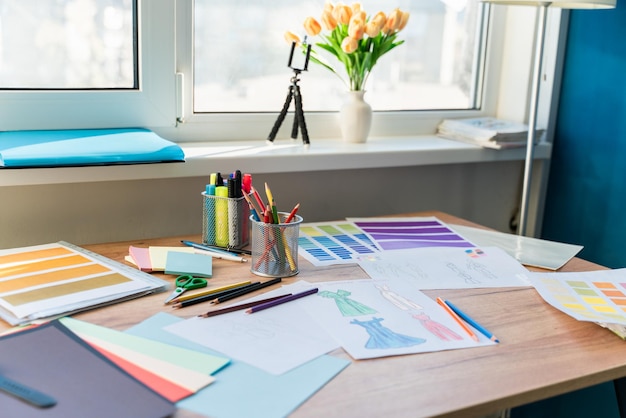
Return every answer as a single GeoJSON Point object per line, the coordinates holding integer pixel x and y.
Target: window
{"type": "Point", "coordinates": [68, 44]}
{"type": "Point", "coordinates": [216, 69]}
{"type": "Point", "coordinates": [439, 68]}
{"type": "Point", "coordinates": [86, 64]}
{"type": "Point", "coordinates": [436, 68]}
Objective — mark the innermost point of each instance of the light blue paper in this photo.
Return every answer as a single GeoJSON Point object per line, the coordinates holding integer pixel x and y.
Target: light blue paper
{"type": "Point", "coordinates": [180, 263]}
{"type": "Point", "coordinates": [266, 395]}
{"type": "Point", "coordinates": [85, 147]}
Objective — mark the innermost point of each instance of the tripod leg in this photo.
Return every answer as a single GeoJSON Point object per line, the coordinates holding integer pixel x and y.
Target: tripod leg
{"type": "Point", "coordinates": [281, 116]}
{"type": "Point", "coordinates": [294, 127]}
{"type": "Point", "coordinates": [300, 117]}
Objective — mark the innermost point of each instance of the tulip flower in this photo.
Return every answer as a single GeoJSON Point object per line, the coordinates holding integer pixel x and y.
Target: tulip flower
{"type": "Point", "coordinates": [371, 29]}
{"type": "Point", "coordinates": [358, 42]}
{"type": "Point", "coordinates": [356, 29]}
{"type": "Point", "coordinates": [403, 21]}
{"type": "Point", "coordinates": [291, 37]}
{"type": "Point", "coordinates": [328, 20]}
{"type": "Point", "coordinates": [312, 26]}
{"type": "Point", "coordinates": [342, 13]}
{"type": "Point", "coordinates": [349, 45]}
{"type": "Point", "coordinates": [393, 21]}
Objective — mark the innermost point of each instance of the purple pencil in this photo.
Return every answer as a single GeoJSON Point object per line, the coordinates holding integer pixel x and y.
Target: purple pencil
{"type": "Point", "coordinates": [281, 300]}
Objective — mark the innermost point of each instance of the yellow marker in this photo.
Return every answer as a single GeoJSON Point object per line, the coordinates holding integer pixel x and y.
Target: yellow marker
{"type": "Point", "coordinates": [221, 216]}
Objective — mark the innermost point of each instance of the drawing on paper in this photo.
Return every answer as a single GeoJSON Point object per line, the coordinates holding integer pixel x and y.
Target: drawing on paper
{"type": "Point", "coordinates": [381, 337]}
{"type": "Point", "coordinates": [397, 300]}
{"type": "Point", "coordinates": [438, 330]}
{"type": "Point", "coordinates": [347, 306]}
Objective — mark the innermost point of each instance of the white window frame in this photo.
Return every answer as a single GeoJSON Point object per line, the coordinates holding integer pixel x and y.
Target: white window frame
{"type": "Point", "coordinates": [256, 126]}
{"type": "Point", "coordinates": [153, 104]}
{"type": "Point", "coordinates": [165, 95]}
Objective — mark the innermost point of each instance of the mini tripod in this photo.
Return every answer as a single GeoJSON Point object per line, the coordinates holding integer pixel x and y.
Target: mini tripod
{"type": "Point", "coordinates": [293, 94]}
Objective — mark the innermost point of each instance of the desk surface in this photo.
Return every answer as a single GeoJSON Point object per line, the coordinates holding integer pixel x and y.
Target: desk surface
{"type": "Point", "coordinates": [542, 353]}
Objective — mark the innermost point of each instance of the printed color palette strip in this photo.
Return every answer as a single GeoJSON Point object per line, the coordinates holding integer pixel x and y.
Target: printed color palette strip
{"type": "Point", "coordinates": [406, 233]}
{"type": "Point", "coordinates": [65, 289]}
{"type": "Point", "coordinates": [37, 279]}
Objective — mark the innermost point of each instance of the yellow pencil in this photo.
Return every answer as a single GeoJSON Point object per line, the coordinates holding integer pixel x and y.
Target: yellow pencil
{"type": "Point", "coordinates": [185, 297]}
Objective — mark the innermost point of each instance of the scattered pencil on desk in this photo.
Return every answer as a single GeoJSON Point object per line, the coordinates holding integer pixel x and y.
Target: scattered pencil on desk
{"type": "Point", "coordinates": [472, 322]}
{"type": "Point", "coordinates": [457, 319]}
{"type": "Point", "coordinates": [213, 291]}
{"type": "Point", "coordinates": [213, 296]}
{"type": "Point", "coordinates": [214, 252]}
{"type": "Point", "coordinates": [244, 291]}
{"type": "Point", "coordinates": [241, 306]}
{"type": "Point", "coordinates": [281, 300]}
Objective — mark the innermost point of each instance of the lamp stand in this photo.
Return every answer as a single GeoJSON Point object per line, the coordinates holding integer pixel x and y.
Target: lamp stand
{"type": "Point", "coordinates": [532, 118]}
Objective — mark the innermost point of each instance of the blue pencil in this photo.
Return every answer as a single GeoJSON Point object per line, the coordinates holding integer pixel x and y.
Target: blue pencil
{"type": "Point", "coordinates": [473, 323]}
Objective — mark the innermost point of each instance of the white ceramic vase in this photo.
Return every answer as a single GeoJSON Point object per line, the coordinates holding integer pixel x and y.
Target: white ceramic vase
{"type": "Point", "coordinates": [355, 117]}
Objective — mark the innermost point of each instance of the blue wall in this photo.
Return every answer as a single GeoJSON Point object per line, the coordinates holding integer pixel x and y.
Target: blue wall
{"type": "Point", "coordinates": [586, 195]}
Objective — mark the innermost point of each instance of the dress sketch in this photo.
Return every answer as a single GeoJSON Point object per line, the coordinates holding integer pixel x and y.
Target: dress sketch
{"type": "Point", "coordinates": [399, 301]}
{"type": "Point", "coordinates": [347, 306]}
{"type": "Point", "coordinates": [382, 337]}
{"type": "Point", "coordinates": [437, 329]}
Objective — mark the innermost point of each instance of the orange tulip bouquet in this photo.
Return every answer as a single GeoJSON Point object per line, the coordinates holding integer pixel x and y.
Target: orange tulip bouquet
{"type": "Point", "coordinates": [354, 38]}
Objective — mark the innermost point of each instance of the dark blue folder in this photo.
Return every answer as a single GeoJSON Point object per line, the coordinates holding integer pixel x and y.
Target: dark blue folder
{"type": "Point", "coordinates": [85, 147]}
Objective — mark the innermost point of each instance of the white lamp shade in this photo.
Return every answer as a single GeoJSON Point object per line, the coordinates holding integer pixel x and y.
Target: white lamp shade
{"type": "Point", "coordinates": [563, 4]}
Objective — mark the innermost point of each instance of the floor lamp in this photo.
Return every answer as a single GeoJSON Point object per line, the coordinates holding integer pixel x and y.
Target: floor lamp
{"type": "Point", "coordinates": [536, 78]}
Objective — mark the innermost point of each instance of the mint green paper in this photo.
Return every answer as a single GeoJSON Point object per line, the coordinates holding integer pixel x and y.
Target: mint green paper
{"type": "Point", "coordinates": [266, 395]}
{"type": "Point", "coordinates": [188, 359]}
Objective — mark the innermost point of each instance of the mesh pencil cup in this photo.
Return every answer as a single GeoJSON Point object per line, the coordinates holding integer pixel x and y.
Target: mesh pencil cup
{"type": "Point", "coordinates": [225, 221]}
{"type": "Point", "coordinates": [275, 247]}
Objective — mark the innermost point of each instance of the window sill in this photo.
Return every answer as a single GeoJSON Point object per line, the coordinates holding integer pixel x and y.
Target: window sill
{"type": "Point", "coordinates": [281, 157]}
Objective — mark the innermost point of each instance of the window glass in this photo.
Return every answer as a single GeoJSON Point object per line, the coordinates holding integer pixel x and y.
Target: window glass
{"type": "Point", "coordinates": [67, 44]}
{"type": "Point", "coordinates": [240, 57]}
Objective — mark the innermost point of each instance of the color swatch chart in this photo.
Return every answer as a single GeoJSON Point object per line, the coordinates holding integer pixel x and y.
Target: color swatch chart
{"type": "Point", "coordinates": [598, 296]}
{"type": "Point", "coordinates": [405, 233]}
{"type": "Point", "coordinates": [333, 243]}
{"type": "Point", "coordinates": [49, 279]}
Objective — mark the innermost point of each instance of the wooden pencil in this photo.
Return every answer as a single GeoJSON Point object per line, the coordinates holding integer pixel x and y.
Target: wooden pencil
{"type": "Point", "coordinates": [240, 306]}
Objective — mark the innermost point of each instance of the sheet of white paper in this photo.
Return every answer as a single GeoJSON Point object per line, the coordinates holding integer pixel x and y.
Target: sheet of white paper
{"type": "Point", "coordinates": [275, 340]}
{"type": "Point", "coordinates": [447, 268]}
{"type": "Point", "coordinates": [596, 296]}
{"type": "Point", "coordinates": [386, 317]}
{"type": "Point", "coordinates": [528, 251]}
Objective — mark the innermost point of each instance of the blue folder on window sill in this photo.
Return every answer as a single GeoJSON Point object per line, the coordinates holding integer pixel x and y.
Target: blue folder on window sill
{"type": "Point", "coordinates": [21, 149]}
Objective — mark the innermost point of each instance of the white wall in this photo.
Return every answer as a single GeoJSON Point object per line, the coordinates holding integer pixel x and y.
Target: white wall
{"type": "Point", "coordinates": [84, 213]}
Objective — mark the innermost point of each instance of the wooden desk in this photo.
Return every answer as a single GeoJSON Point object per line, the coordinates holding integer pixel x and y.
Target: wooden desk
{"type": "Point", "coordinates": [542, 353]}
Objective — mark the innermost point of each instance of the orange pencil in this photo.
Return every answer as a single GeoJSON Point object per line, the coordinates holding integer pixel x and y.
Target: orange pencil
{"type": "Point", "coordinates": [457, 319]}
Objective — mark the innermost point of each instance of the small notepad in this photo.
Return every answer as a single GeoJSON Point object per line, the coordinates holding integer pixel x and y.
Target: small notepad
{"type": "Point", "coordinates": [198, 265]}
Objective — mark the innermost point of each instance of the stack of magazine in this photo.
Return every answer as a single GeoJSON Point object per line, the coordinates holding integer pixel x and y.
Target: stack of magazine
{"type": "Point", "coordinates": [486, 132]}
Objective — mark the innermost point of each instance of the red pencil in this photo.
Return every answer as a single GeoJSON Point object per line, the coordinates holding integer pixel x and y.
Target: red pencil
{"type": "Point", "coordinates": [292, 214]}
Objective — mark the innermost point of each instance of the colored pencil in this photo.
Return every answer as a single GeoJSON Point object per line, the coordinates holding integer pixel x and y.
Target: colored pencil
{"type": "Point", "coordinates": [210, 291]}
{"type": "Point", "coordinates": [210, 297]}
{"type": "Point", "coordinates": [245, 291]}
{"type": "Point", "coordinates": [457, 319]}
{"type": "Point", "coordinates": [281, 300]}
{"type": "Point", "coordinates": [234, 308]}
{"type": "Point", "coordinates": [214, 252]}
{"type": "Point", "coordinates": [253, 210]}
{"type": "Point", "coordinates": [472, 322]}
{"type": "Point", "coordinates": [272, 203]}
{"type": "Point", "coordinates": [292, 214]}
{"type": "Point", "coordinates": [258, 199]}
